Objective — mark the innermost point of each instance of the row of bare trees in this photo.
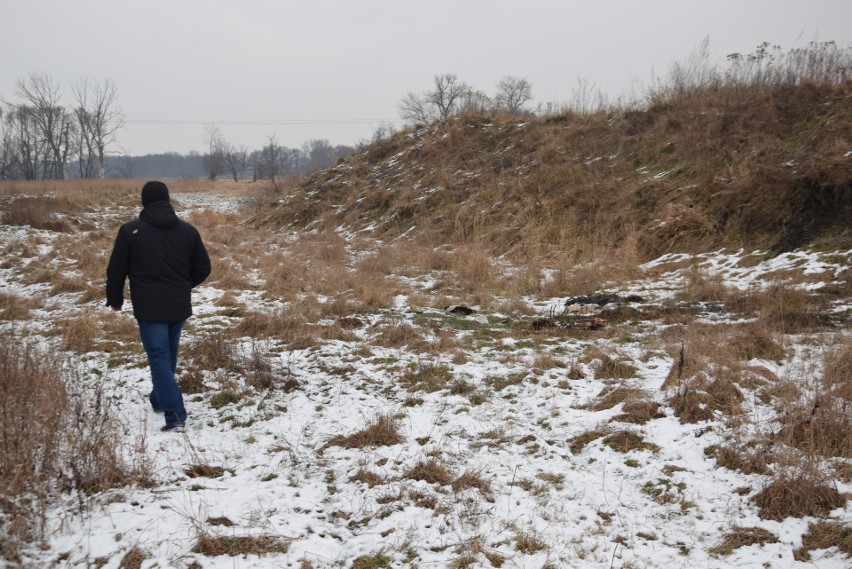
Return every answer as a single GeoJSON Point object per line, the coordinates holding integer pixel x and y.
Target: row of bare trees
{"type": "Point", "coordinates": [450, 96]}
{"type": "Point", "coordinates": [41, 137]}
{"type": "Point", "coordinates": [222, 158]}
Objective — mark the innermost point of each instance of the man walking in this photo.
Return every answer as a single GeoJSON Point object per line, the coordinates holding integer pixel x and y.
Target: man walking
{"type": "Point", "coordinates": [165, 259]}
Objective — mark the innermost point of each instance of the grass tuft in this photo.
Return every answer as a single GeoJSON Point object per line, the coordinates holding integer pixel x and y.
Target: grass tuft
{"type": "Point", "coordinates": [824, 535]}
{"type": "Point", "coordinates": [797, 495]}
{"type": "Point", "coordinates": [381, 431]}
{"type": "Point", "coordinates": [233, 546]}
{"type": "Point", "coordinates": [740, 536]}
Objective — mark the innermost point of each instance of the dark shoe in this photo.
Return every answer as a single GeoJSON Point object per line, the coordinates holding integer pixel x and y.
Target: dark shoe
{"type": "Point", "coordinates": [176, 427]}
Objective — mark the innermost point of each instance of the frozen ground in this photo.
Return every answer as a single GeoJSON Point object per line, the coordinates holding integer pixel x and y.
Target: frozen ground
{"type": "Point", "coordinates": [515, 495]}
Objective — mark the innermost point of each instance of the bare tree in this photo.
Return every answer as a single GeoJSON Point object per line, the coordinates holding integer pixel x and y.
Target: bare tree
{"type": "Point", "coordinates": [24, 142]}
{"type": "Point", "coordinates": [98, 121]}
{"type": "Point", "coordinates": [512, 94]}
{"type": "Point", "coordinates": [447, 94]}
{"type": "Point", "coordinates": [446, 100]}
{"type": "Point", "coordinates": [7, 148]}
{"type": "Point", "coordinates": [270, 158]}
{"type": "Point", "coordinates": [54, 124]}
{"type": "Point", "coordinates": [236, 160]}
{"type": "Point", "coordinates": [415, 109]}
{"type": "Point", "coordinates": [214, 160]}
{"type": "Point", "coordinates": [126, 166]}
{"type": "Point", "coordinates": [319, 154]}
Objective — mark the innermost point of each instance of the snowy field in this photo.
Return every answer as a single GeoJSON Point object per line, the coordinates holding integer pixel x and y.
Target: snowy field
{"type": "Point", "coordinates": [491, 468]}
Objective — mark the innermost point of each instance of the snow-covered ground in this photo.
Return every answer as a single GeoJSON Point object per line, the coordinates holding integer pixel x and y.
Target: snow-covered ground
{"type": "Point", "coordinates": [515, 494]}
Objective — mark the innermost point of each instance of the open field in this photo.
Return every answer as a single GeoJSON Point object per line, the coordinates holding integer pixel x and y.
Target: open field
{"type": "Point", "coordinates": [342, 416]}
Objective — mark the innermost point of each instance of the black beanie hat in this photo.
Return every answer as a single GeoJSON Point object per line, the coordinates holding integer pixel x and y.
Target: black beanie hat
{"type": "Point", "coordinates": [154, 192]}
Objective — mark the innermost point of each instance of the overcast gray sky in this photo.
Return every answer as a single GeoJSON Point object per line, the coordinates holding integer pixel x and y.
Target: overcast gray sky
{"type": "Point", "coordinates": [337, 69]}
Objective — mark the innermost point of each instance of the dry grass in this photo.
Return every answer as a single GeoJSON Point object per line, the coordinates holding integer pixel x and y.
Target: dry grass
{"type": "Point", "coordinates": [133, 559]}
{"type": "Point", "coordinates": [825, 535]}
{"type": "Point", "coordinates": [15, 307]}
{"type": "Point", "coordinates": [626, 441]}
{"type": "Point", "coordinates": [381, 431]}
{"type": "Point", "coordinates": [745, 460]}
{"type": "Point", "coordinates": [234, 546]}
{"type": "Point", "coordinates": [369, 478]}
{"type": "Point", "coordinates": [797, 494]}
{"type": "Point", "coordinates": [818, 421]}
{"type": "Point", "coordinates": [36, 212]}
{"type": "Point", "coordinates": [568, 190]}
{"type": "Point", "coordinates": [579, 442]}
{"type": "Point", "coordinates": [791, 310]}
{"type": "Point", "coordinates": [73, 444]}
{"type": "Point", "coordinates": [753, 341]}
{"type": "Point", "coordinates": [79, 334]}
{"type": "Point", "coordinates": [398, 334]}
{"type": "Point", "coordinates": [431, 472]}
{"type": "Point", "coordinates": [697, 398]}
{"type": "Point", "coordinates": [374, 561]}
{"type": "Point", "coordinates": [822, 427]}
{"type": "Point", "coordinates": [213, 350]}
{"type": "Point", "coordinates": [639, 412]}
{"type": "Point", "coordinates": [472, 479]}
{"type": "Point", "coordinates": [740, 536]}
{"type": "Point", "coordinates": [704, 287]}
{"type": "Point", "coordinates": [609, 364]}
{"type": "Point", "coordinates": [528, 543]}
{"type": "Point", "coordinates": [287, 325]}
{"type": "Point", "coordinates": [612, 396]}
{"type": "Point", "coordinates": [837, 371]}
{"type": "Point", "coordinates": [428, 377]}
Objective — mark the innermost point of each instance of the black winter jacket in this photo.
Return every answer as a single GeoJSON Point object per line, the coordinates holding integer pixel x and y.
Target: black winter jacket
{"type": "Point", "coordinates": [164, 258]}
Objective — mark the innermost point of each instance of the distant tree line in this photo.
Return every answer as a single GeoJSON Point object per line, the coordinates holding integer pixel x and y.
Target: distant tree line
{"type": "Point", "coordinates": [273, 161]}
{"type": "Point", "coordinates": [45, 136]}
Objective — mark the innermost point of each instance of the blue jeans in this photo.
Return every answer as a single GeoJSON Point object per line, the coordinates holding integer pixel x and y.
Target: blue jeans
{"type": "Point", "coordinates": [160, 340]}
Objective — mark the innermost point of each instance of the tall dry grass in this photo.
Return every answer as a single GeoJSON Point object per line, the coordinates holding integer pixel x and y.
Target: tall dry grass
{"type": "Point", "coordinates": [716, 156]}
{"type": "Point", "coordinates": [54, 437]}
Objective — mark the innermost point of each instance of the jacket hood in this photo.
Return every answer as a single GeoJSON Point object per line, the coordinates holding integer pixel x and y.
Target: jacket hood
{"type": "Point", "coordinates": [160, 214]}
